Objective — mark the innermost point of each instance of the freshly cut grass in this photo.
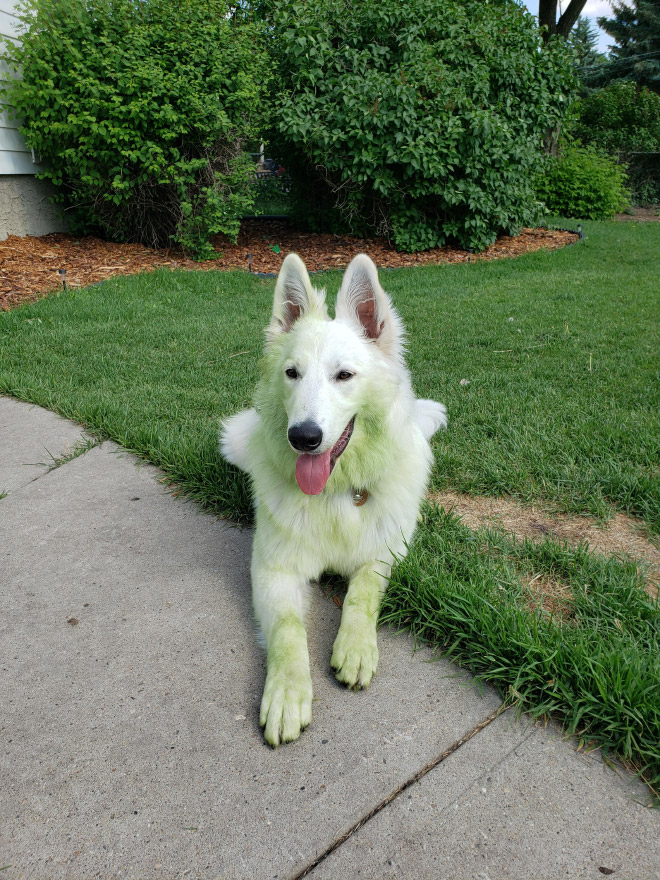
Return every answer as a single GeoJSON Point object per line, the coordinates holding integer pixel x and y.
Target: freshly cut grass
{"type": "Point", "coordinates": [151, 361]}
{"type": "Point", "coordinates": [559, 352]}
{"type": "Point", "coordinates": [549, 367]}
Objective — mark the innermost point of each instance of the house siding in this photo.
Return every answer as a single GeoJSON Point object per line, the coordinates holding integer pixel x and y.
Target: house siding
{"type": "Point", "coordinates": [25, 207]}
{"type": "Point", "coordinates": [15, 157]}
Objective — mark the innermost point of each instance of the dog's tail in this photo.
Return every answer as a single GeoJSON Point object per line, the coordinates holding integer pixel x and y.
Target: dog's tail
{"type": "Point", "coordinates": [235, 434]}
{"type": "Point", "coordinates": [431, 416]}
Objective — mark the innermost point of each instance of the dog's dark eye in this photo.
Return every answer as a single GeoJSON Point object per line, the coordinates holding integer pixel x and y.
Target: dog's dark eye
{"type": "Point", "coordinates": [343, 376]}
{"type": "Point", "coordinates": [292, 373]}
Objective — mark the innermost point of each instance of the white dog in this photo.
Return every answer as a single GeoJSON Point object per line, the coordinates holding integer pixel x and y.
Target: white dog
{"type": "Point", "coordinates": [337, 451]}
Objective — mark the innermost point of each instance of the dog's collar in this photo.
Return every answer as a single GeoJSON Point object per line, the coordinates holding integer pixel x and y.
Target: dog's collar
{"type": "Point", "coordinates": [360, 497]}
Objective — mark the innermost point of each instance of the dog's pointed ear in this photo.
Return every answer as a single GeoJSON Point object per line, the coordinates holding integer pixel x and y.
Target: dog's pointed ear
{"type": "Point", "coordinates": [294, 297]}
{"type": "Point", "coordinates": [363, 301]}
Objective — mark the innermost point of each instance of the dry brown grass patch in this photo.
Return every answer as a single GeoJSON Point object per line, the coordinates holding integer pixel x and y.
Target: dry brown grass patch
{"type": "Point", "coordinates": [555, 598]}
{"type": "Point", "coordinates": [621, 535]}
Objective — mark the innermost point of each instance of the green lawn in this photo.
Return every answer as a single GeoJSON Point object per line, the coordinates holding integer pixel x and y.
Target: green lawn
{"type": "Point", "coordinates": [561, 353]}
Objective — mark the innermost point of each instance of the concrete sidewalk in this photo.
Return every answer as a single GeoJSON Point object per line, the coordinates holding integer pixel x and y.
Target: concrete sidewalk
{"type": "Point", "coordinates": [130, 682]}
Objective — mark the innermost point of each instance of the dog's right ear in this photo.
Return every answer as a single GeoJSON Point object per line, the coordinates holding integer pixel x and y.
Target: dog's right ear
{"type": "Point", "coordinates": [294, 297]}
{"type": "Point", "coordinates": [364, 303]}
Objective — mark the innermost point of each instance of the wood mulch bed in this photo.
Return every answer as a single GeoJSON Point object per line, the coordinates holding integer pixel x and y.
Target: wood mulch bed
{"type": "Point", "coordinates": [31, 267]}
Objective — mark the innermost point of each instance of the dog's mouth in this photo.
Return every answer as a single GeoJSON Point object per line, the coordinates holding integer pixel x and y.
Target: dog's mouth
{"type": "Point", "coordinates": [313, 470]}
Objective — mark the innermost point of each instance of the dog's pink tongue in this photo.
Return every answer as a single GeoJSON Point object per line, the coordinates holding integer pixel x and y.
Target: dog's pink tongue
{"type": "Point", "coordinates": [312, 472]}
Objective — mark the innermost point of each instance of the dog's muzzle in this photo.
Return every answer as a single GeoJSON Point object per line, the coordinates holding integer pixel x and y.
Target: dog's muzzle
{"type": "Point", "coordinates": [314, 468]}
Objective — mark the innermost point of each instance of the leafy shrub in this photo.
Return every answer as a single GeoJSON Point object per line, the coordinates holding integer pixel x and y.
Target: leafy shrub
{"type": "Point", "coordinates": [139, 111]}
{"type": "Point", "coordinates": [644, 178]}
{"type": "Point", "coordinates": [581, 182]}
{"type": "Point", "coordinates": [620, 117]}
{"type": "Point", "coordinates": [415, 119]}
{"type": "Point", "coordinates": [624, 119]}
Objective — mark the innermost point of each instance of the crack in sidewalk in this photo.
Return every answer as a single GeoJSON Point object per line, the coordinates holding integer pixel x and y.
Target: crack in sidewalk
{"type": "Point", "coordinates": [401, 788]}
{"type": "Point", "coordinates": [80, 447]}
{"type": "Point", "coordinates": [75, 451]}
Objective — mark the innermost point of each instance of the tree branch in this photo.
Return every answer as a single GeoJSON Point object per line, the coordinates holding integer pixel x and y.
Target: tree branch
{"type": "Point", "coordinates": [548, 17]}
{"type": "Point", "coordinates": [569, 17]}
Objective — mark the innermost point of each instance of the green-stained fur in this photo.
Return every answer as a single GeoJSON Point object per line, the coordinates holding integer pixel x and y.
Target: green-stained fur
{"type": "Point", "coordinates": [369, 454]}
{"type": "Point", "coordinates": [320, 380]}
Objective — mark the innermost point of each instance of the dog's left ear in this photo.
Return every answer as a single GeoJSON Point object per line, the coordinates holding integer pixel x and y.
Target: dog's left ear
{"type": "Point", "coordinates": [363, 301]}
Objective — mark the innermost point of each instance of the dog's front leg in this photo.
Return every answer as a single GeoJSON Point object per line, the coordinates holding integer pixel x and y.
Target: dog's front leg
{"type": "Point", "coordinates": [286, 705]}
{"type": "Point", "coordinates": [355, 652]}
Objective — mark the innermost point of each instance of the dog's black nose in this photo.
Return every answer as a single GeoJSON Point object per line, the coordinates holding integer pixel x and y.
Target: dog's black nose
{"type": "Point", "coordinates": [305, 437]}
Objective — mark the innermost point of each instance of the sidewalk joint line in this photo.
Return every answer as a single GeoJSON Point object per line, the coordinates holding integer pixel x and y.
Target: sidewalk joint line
{"type": "Point", "coordinates": [405, 785]}
{"type": "Point", "coordinates": [80, 447]}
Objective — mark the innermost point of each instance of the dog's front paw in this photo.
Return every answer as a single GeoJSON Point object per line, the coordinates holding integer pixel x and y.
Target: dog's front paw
{"type": "Point", "coordinates": [286, 707]}
{"type": "Point", "coordinates": [355, 653]}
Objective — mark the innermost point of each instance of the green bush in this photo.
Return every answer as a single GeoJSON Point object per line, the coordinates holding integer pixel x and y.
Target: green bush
{"type": "Point", "coordinates": [620, 117]}
{"type": "Point", "coordinates": [581, 182]}
{"type": "Point", "coordinates": [140, 111]}
{"type": "Point", "coordinates": [416, 119]}
{"type": "Point", "coordinates": [624, 120]}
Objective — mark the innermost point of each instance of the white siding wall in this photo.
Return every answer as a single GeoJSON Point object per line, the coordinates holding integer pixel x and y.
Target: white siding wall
{"type": "Point", "coordinates": [15, 158]}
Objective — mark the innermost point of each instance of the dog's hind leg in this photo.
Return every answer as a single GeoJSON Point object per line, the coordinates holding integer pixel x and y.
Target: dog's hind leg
{"type": "Point", "coordinates": [355, 652]}
{"type": "Point", "coordinates": [286, 705]}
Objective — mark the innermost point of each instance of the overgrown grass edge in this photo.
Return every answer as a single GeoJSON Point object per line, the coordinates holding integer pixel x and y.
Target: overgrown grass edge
{"type": "Point", "coordinates": [596, 671]}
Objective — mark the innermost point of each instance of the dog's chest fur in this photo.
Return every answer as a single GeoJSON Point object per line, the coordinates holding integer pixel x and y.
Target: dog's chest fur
{"type": "Point", "coordinates": [330, 532]}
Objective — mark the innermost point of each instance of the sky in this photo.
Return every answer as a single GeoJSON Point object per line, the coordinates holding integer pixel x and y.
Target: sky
{"type": "Point", "coordinates": [592, 10]}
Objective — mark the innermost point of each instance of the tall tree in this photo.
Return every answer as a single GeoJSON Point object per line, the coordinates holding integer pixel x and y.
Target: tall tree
{"type": "Point", "coordinates": [636, 30]}
{"type": "Point", "coordinates": [567, 19]}
{"type": "Point", "coordinates": [583, 39]}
